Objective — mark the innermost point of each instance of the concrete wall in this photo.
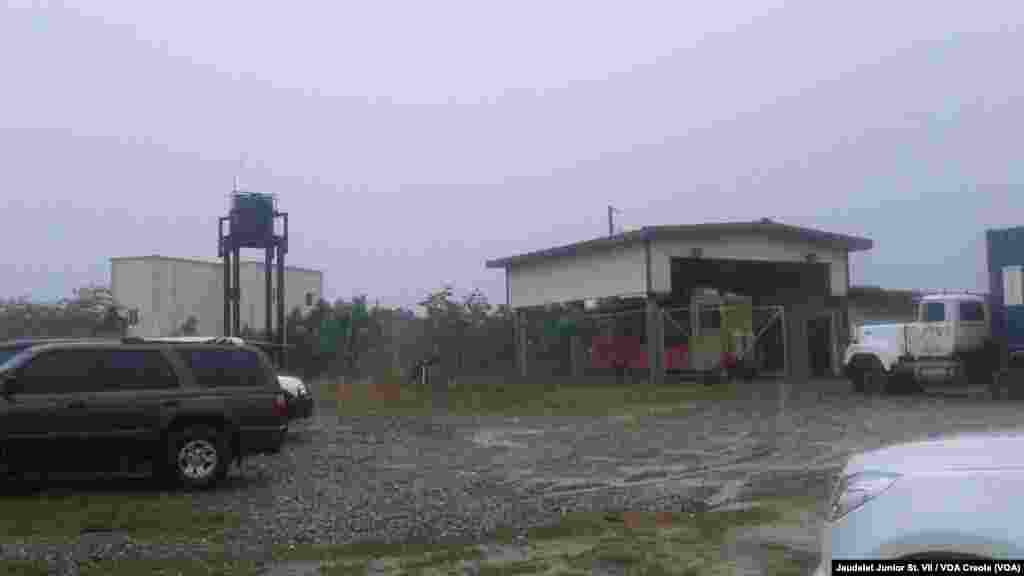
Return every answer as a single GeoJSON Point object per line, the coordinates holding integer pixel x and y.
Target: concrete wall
{"type": "Point", "coordinates": [748, 247]}
{"type": "Point", "coordinates": [131, 282]}
{"type": "Point", "coordinates": [166, 291]}
{"type": "Point", "coordinates": [593, 274]}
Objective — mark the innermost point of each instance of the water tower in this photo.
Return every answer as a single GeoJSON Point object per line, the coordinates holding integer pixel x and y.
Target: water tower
{"type": "Point", "coordinates": [251, 225]}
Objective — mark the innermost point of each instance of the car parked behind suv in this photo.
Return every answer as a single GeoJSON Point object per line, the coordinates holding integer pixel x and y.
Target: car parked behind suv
{"type": "Point", "coordinates": [189, 411]}
{"type": "Point", "coordinates": [297, 395]}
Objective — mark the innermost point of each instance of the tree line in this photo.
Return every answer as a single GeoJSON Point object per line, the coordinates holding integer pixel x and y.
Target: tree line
{"type": "Point", "coordinates": [462, 334]}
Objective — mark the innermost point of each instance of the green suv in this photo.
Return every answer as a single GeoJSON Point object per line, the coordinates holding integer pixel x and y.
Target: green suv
{"type": "Point", "coordinates": [95, 405]}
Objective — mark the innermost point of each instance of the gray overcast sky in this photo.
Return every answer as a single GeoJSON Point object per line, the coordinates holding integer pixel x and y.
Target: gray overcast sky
{"type": "Point", "coordinates": [411, 141]}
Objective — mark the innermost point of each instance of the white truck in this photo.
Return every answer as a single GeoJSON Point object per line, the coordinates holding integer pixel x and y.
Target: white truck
{"type": "Point", "coordinates": [950, 343]}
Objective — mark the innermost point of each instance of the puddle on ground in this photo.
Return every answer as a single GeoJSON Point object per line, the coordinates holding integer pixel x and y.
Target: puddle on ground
{"type": "Point", "coordinates": [560, 485]}
{"type": "Point", "coordinates": [500, 438]}
{"type": "Point", "coordinates": [646, 475]}
{"type": "Point", "coordinates": [638, 473]}
{"type": "Point", "coordinates": [572, 487]}
{"type": "Point", "coordinates": [396, 467]}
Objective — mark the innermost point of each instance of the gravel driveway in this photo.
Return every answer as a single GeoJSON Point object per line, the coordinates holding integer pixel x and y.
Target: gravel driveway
{"type": "Point", "coordinates": [453, 479]}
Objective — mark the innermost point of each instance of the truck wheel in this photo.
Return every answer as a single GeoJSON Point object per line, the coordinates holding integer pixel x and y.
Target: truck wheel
{"type": "Point", "coordinates": [878, 379]}
{"type": "Point", "coordinates": [858, 377]}
{"type": "Point", "coordinates": [199, 456]}
{"type": "Point", "coordinates": [995, 386]}
{"type": "Point", "coordinates": [959, 378]}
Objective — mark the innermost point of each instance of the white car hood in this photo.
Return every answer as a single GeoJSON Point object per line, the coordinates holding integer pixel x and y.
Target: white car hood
{"type": "Point", "coordinates": [997, 450]}
{"type": "Point", "coordinates": [290, 383]}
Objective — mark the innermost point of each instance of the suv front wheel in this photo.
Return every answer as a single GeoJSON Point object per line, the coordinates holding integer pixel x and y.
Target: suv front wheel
{"type": "Point", "coordinates": [199, 456]}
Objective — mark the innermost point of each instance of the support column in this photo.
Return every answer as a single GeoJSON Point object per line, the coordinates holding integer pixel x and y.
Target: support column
{"type": "Point", "coordinates": [837, 349]}
{"type": "Point", "coordinates": [576, 343]}
{"type": "Point", "coordinates": [655, 341]}
{"type": "Point", "coordinates": [522, 341]}
{"type": "Point", "coordinates": [796, 344]}
{"type": "Point", "coordinates": [575, 355]}
{"type": "Point", "coordinates": [268, 266]}
{"type": "Point", "coordinates": [236, 291]}
{"type": "Point", "coordinates": [282, 327]}
{"type": "Point", "coordinates": [228, 293]}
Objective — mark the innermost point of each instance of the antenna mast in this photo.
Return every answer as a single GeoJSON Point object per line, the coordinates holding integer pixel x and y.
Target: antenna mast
{"type": "Point", "coordinates": [241, 166]}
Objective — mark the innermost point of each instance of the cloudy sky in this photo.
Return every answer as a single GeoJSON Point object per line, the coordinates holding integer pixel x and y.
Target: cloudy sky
{"type": "Point", "coordinates": [411, 141]}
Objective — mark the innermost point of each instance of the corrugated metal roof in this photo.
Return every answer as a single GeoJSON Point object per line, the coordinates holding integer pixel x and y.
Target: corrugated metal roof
{"type": "Point", "coordinates": [764, 226]}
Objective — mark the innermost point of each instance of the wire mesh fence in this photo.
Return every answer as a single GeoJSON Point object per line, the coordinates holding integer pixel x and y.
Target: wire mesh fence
{"type": "Point", "coordinates": [616, 345]}
{"type": "Point", "coordinates": [726, 339]}
{"type": "Point", "coordinates": [570, 343]}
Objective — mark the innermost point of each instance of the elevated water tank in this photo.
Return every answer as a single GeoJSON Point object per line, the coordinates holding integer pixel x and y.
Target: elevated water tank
{"type": "Point", "coordinates": [252, 219]}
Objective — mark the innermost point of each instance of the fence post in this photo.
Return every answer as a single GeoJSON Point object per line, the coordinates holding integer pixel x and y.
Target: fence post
{"type": "Point", "coordinates": [521, 341]}
{"type": "Point", "coordinates": [655, 341]}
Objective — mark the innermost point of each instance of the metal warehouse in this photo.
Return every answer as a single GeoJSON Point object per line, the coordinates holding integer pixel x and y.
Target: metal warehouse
{"type": "Point", "coordinates": [798, 277]}
{"type": "Point", "coordinates": [165, 292]}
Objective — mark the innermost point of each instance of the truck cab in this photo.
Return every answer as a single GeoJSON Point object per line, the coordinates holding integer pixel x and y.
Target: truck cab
{"type": "Point", "coordinates": [949, 342]}
{"type": "Point", "coordinates": [949, 325]}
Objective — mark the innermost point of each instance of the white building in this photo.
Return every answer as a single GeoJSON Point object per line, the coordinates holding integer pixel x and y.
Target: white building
{"type": "Point", "coordinates": [802, 273]}
{"type": "Point", "coordinates": [165, 292]}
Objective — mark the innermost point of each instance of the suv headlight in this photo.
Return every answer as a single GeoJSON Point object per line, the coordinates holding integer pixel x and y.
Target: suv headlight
{"type": "Point", "coordinates": [854, 490]}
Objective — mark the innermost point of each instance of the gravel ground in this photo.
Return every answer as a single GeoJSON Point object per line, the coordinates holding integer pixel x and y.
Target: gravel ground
{"type": "Point", "coordinates": [456, 479]}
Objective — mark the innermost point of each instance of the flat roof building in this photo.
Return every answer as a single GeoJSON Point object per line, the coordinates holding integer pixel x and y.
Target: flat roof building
{"type": "Point", "coordinates": [165, 292]}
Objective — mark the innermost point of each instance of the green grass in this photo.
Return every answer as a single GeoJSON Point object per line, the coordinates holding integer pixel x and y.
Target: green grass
{"type": "Point", "coordinates": [23, 568]}
{"type": "Point", "coordinates": [782, 561]}
{"type": "Point", "coordinates": [211, 566]}
{"type": "Point", "coordinates": [524, 399]}
{"type": "Point", "coordinates": [142, 515]}
{"type": "Point", "coordinates": [402, 558]}
{"type": "Point", "coordinates": [640, 543]}
{"type": "Point", "coordinates": [514, 568]}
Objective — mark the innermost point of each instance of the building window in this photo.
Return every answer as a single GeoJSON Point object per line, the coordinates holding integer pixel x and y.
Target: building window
{"type": "Point", "coordinates": [309, 298]}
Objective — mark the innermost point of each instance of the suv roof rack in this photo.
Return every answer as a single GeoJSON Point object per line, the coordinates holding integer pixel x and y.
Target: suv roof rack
{"type": "Point", "coordinates": [183, 340]}
{"type": "Point", "coordinates": [230, 340]}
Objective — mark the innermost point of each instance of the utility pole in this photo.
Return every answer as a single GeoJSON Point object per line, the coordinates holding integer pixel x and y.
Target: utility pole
{"type": "Point", "coordinates": [611, 225]}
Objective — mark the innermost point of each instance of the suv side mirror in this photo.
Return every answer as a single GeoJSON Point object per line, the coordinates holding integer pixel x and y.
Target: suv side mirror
{"type": "Point", "coordinates": [11, 385]}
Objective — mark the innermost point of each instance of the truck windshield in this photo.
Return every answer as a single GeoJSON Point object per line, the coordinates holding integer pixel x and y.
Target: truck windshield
{"type": "Point", "coordinates": [933, 312]}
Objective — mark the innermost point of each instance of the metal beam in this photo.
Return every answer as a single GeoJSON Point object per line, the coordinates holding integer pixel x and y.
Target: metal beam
{"type": "Point", "coordinates": [655, 341]}
{"type": "Point", "coordinates": [522, 341]}
{"type": "Point", "coordinates": [227, 291]}
{"type": "Point", "coordinates": [236, 290]}
{"type": "Point", "coordinates": [282, 328]}
{"type": "Point", "coordinates": [268, 265]}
